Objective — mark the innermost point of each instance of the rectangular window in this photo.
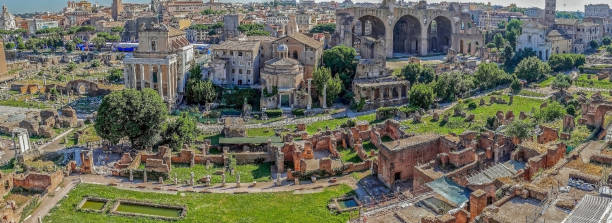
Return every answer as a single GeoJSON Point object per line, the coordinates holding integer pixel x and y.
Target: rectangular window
{"type": "Point", "coordinates": [240, 71]}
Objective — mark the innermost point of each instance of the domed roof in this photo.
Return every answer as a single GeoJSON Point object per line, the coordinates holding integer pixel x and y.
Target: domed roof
{"type": "Point", "coordinates": [282, 48]}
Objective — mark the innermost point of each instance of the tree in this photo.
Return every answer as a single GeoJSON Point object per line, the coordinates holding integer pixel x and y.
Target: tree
{"type": "Point", "coordinates": [70, 46]}
{"type": "Point", "coordinates": [498, 40]}
{"type": "Point", "coordinates": [117, 29]}
{"type": "Point", "coordinates": [9, 45]}
{"type": "Point", "coordinates": [321, 77]}
{"type": "Point", "coordinates": [411, 72]}
{"type": "Point", "coordinates": [115, 75]}
{"type": "Point", "coordinates": [340, 59]}
{"type": "Point", "coordinates": [532, 69]}
{"type": "Point", "coordinates": [515, 85]}
{"type": "Point", "coordinates": [450, 86]}
{"type": "Point", "coordinates": [421, 95]}
{"type": "Point", "coordinates": [427, 75]}
{"type": "Point", "coordinates": [594, 45]}
{"type": "Point", "coordinates": [195, 72]}
{"type": "Point", "coordinates": [200, 92]}
{"type": "Point", "coordinates": [609, 49]}
{"type": "Point", "coordinates": [95, 63]}
{"type": "Point", "coordinates": [561, 82]}
{"type": "Point", "coordinates": [324, 28]}
{"type": "Point", "coordinates": [71, 67]}
{"type": "Point", "coordinates": [561, 62]}
{"type": "Point", "coordinates": [550, 113]}
{"type": "Point", "coordinates": [99, 42]}
{"type": "Point", "coordinates": [136, 115]}
{"type": "Point", "coordinates": [489, 75]}
{"type": "Point", "coordinates": [519, 129]}
{"type": "Point", "coordinates": [606, 41]}
{"type": "Point", "coordinates": [180, 131]}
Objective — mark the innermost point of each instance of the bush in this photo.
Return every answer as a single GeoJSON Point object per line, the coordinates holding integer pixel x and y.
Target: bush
{"type": "Point", "coordinates": [385, 112]}
{"type": "Point", "coordinates": [472, 105]}
{"type": "Point", "coordinates": [568, 61]}
{"type": "Point", "coordinates": [421, 96]}
{"type": "Point", "coordinates": [298, 112]}
{"type": "Point", "coordinates": [274, 113]}
{"type": "Point", "coordinates": [550, 113]}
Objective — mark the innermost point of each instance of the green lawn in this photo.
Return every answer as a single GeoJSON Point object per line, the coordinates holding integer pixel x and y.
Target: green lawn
{"type": "Point", "coordinates": [23, 104]}
{"type": "Point", "coordinates": [259, 207]}
{"type": "Point", "coordinates": [546, 82]}
{"type": "Point", "coordinates": [458, 125]}
{"type": "Point", "coordinates": [348, 155]}
{"type": "Point", "coordinates": [531, 93]}
{"type": "Point", "coordinates": [584, 81]}
{"type": "Point", "coordinates": [248, 173]}
{"type": "Point", "coordinates": [312, 128]}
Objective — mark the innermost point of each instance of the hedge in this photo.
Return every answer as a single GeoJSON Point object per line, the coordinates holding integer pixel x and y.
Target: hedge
{"type": "Point", "coordinates": [274, 113]}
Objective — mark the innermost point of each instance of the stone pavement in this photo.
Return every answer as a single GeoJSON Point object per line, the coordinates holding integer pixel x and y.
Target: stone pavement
{"type": "Point", "coordinates": [49, 202]}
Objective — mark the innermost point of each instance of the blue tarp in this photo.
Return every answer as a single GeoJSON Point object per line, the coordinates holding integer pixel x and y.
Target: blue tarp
{"type": "Point", "coordinates": [450, 190]}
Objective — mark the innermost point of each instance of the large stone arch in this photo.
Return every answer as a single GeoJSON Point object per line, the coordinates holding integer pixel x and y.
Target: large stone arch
{"type": "Point", "coordinates": [439, 35]}
{"type": "Point", "coordinates": [407, 36]}
{"type": "Point", "coordinates": [369, 25]}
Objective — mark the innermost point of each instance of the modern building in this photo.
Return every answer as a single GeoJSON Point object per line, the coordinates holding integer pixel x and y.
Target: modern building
{"type": "Point", "coordinates": [161, 62]}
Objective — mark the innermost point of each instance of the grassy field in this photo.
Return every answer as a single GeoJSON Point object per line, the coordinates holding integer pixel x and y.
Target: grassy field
{"type": "Point", "coordinates": [546, 82]}
{"type": "Point", "coordinates": [248, 173]}
{"type": "Point", "coordinates": [531, 93]}
{"type": "Point", "coordinates": [584, 81]}
{"type": "Point", "coordinates": [23, 104]}
{"type": "Point", "coordinates": [458, 125]}
{"type": "Point", "coordinates": [348, 155]}
{"type": "Point", "coordinates": [259, 207]}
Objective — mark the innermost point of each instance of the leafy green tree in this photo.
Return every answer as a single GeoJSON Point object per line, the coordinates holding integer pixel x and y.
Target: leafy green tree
{"type": "Point", "coordinates": [9, 45]}
{"type": "Point", "coordinates": [532, 69]}
{"type": "Point", "coordinates": [411, 72]}
{"type": "Point", "coordinates": [195, 72]}
{"type": "Point", "coordinates": [519, 129]}
{"type": "Point", "coordinates": [99, 42]}
{"type": "Point", "coordinates": [561, 82]}
{"type": "Point", "coordinates": [132, 114]}
{"type": "Point", "coordinates": [257, 33]}
{"type": "Point", "coordinates": [340, 59]}
{"type": "Point", "coordinates": [593, 45]}
{"type": "Point", "coordinates": [71, 67]}
{"type": "Point", "coordinates": [324, 28]}
{"type": "Point", "coordinates": [606, 41]}
{"type": "Point", "coordinates": [550, 113]}
{"type": "Point", "coordinates": [453, 85]}
{"type": "Point", "coordinates": [322, 76]}
{"type": "Point", "coordinates": [421, 95]}
{"type": "Point", "coordinates": [498, 40]}
{"type": "Point", "coordinates": [115, 75]}
{"type": "Point", "coordinates": [200, 92]}
{"type": "Point", "coordinates": [117, 29]}
{"type": "Point", "coordinates": [178, 132]}
{"type": "Point", "coordinates": [515, 85]}
{"type": "Point", "coordinates": [427, 75]}
{"type": "Point", "coordinates": [70, 46]}
{"type": "Point", "coordinates": [489, 75]}
{"type": "Point", "coordinates": [561, 62]}
{"type": "Point", "coordinates": [95, 63]}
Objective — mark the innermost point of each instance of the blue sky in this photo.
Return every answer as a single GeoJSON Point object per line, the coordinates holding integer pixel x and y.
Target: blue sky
{"type": "Point", "coordinates": [19, 6]}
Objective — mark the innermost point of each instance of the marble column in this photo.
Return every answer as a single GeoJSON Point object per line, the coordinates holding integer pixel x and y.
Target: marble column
{"type": "Point", "coordinates": [151, 75]}
{"type": "Point", "coordinates": [324, 104]}
{"type": "Point", "coordinates": [169, 84]}
{"type": "Point", "coordinates": [372, 96]}
{"type": "Point", "coordinates": [142, 76]}
{"type": "Point", "coordinates": [280, 99]}
{"type": "Point", "coordinates": [309, 95]}
{"type": "Point", "coordinates": [125, 74]}
{"type": "Point", "coordinates": [160, 82]}
{"type": "Point", "coordinates": [131, 75]}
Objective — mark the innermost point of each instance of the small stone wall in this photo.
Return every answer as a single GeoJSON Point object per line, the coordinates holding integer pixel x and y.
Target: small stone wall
{"type": "Point", "coordinates": [119, 202]}
{"type": "Point", "coordinates": [85, 199]}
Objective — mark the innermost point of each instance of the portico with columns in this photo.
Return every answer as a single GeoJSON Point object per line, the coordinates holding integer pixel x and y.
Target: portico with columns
{"type": "Point", "coordinates": [161, 75]}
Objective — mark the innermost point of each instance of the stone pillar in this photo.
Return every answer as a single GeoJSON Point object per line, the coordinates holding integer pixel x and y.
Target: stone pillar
{"type": "Point", "coordinates": [132, 74]}
{"type": "Point", "coordinates": [160, 82]}
{"type": "Point", "coordinates": [191, 181]}
{"type": "Point", "coordinates": [238, 180]}
{"type": "Point", "coordinates": [151, 75]}
{"type": "Point", "coordinates": [144, 176]}
{"type": "Point", "coordinates": [142, 77]}
{"type": "Point", "coordinates": [131, 175]}
{"type": "Point", "coordinates": [126, 69]}
{"type": "Point", "coordinates": [161, 180]}
{"type": "Point", "coordinates": [223, 179]}
{"type": "Point", "coordinates": [372, 96]}
{"type": "Point", "coordinates": [309, 106]}
{"type": "Point", "coordinates": [208, 180]}
{"type": "Point", "coordinates": [279, 181]}
{"type": "Point", "coordinates": [280, 98]}
{"type": "Point", "coordinates": [169, 84]}
{"type": "Point", "coordinates": [324, 104]}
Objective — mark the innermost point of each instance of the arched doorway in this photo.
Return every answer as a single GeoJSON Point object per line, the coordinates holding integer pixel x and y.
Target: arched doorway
{"type": "Point", "coordinates": [369, 26]}
{"type": "Point", "coordinates": [406, 36]}
{"type": "Point", "coordinates": [439, 35]}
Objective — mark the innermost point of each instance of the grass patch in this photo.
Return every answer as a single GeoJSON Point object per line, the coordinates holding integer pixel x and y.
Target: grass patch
{"type": "Point", "coordinates": [584, 81]}
{"type": "Point", "coordinates": [546, 82]}
{"type": "Point", "coordinates": [266, 132]}
{"type": "Point", "coordinates": [248, 173]}
{"type": "Point", "coordinates": [458, 125]}
{"type": "Point", "coordinates": [258, 207]}
{"type": "Point", "coordinates": [348, 155]}
{"type": "Point", "coordinates": [23, 104]}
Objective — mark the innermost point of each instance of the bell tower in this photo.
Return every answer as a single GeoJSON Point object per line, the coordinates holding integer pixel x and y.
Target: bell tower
{"type": "Point", "coordinates": [550, 13]}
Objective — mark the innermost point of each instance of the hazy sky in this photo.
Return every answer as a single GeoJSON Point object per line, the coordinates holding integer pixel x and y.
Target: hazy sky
{"type": "Point", "coordinates": [20, 6]}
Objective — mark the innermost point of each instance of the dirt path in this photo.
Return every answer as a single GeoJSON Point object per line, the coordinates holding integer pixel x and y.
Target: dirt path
{"type": "Point", "coordinates": [50, 201]}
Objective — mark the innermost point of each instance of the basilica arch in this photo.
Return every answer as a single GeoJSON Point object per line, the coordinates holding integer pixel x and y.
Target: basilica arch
{"type": "Point", "coordinates": [439, 35]}
{"type": "Point", "coordinates": [407, 36]}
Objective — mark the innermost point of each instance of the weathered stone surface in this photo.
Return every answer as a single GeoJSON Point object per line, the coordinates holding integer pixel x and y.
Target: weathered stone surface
{"type": "Point", "coordinates": [482, 101]}
{"type": "Point", "coordinates": [46, 131]}
{"type": "Point", "coordinates": [568, 123]}
{"type": "Point", "coordinates": [30, 126]}
{"type": "Point", "coordinates": [470, 118]}
{"type": "Point", "coordinates": [435, 117]}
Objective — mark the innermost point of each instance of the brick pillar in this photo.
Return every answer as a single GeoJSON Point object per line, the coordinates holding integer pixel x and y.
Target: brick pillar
{"type": "Point", "coordinates": [478, 201]}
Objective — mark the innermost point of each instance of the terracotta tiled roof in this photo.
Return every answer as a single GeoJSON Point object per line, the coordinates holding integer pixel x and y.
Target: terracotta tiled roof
{"type": "Point", "coordinates": [306, 40]}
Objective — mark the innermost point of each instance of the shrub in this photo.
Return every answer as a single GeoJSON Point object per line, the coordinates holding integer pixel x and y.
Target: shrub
{"type": "Point", "coordinates": [472, 105]}
{"type": "Point", "coordinates": [385, 112]}
{"type": "Point", "coordinates": [274, 113]}
{"type": "Point", "coordinates": [298, 112]}
{"type": "Point", "coordinates": [552, 112]}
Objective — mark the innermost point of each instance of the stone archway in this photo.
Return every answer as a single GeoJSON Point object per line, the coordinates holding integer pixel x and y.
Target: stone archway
{"type": "Point", "coordinates": [369, 26]}
{"type": "Point", "coordinates": [439, 34]}
{"type": "Point", "coordinates": [407, 36]}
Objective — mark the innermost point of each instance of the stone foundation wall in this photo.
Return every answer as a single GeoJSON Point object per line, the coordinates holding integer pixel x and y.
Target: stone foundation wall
{"type": "Point", "coordinates": [39, 181]}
